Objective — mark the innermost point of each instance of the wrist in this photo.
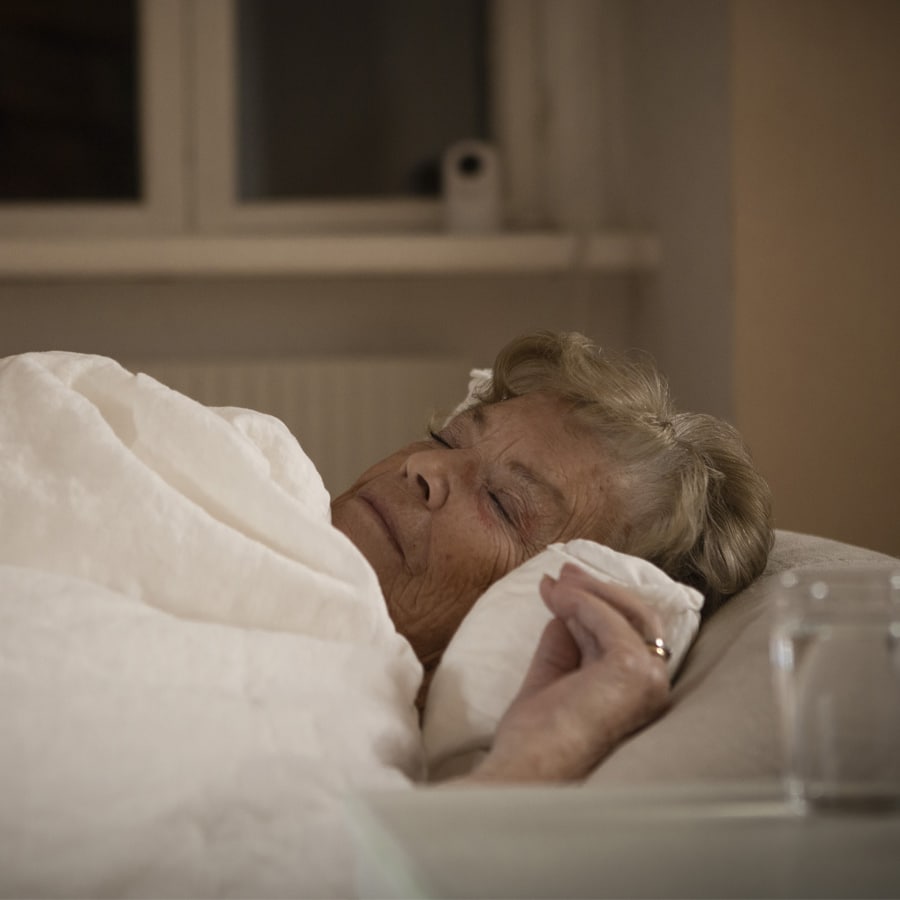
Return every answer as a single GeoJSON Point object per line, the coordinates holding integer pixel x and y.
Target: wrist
{"type": "Point", "coordinates": [557, 758]}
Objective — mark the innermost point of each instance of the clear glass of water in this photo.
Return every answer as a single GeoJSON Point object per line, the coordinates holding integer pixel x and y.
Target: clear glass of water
{"type": "Point", "coordinates": [835, 653]}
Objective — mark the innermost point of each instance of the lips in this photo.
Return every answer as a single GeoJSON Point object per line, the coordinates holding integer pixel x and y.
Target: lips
{"type": "Point", "coordinates": [384, 517]}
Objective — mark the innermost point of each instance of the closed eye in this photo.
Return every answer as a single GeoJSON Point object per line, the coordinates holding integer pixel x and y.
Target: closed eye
{"type": "Point", "coordinates": [498, 505]}
{"type": "Point", "coordinates": [438, 439]}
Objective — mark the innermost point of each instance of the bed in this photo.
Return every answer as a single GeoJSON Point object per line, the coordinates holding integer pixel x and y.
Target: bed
{"type": "Point", "coordinates": [197, 672]}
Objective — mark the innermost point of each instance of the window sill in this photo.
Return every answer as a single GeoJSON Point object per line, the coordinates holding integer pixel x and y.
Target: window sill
{"type": "Point", "coordinates": [352, 255]}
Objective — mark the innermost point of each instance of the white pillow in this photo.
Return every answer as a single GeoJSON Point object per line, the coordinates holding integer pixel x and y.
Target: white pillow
{"type": "Point", "coordinates": [486, 660]}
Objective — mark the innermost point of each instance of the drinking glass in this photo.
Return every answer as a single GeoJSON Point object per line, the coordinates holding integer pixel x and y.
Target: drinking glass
{"type": "Point", "coordinates": [835, 652]}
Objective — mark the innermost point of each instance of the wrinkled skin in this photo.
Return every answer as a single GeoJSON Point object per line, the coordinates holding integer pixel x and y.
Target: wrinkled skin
{"type": "Point", "coordinates": [443, 518]}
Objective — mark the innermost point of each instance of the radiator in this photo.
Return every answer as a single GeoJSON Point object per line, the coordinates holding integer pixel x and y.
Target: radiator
{"type": "Point", "coordinates": [347, 412]}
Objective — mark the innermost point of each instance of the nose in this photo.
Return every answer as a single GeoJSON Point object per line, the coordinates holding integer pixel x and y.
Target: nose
{"type": "Point", "coordinates": [434, 474]}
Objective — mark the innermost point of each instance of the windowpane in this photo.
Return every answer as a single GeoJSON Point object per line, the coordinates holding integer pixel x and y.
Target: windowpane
{"type": "Point", "coordinates": [68, 100]}
{"type": "Point", "coordinates": [356, 97]}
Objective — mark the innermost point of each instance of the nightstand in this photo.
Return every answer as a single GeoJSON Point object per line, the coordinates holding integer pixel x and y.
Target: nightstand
{"type": "Point", "coordinates": [723, 840]}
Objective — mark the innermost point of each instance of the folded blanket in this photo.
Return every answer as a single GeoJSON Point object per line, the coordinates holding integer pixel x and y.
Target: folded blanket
{"type": "Point", "coordinates": [210, 514]}
{"type": "Point", "coordinates": [195, 666]}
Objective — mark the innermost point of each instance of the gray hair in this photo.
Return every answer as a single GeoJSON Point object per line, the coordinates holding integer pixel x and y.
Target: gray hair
{"type": "Point", "coordinates": [685, 494]}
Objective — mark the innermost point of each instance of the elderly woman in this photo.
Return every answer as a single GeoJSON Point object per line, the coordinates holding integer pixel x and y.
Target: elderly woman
{"type": "Point", "coordinates": [564, 442]}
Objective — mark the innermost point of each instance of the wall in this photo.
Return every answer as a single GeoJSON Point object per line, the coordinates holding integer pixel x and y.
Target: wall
{"type": "Point", "coordinates": [462, 316]}
{"type": "Point", "coordinates": [679, 185]}
{"type": "Point", "coordinates": [764, 142]}
{"type": "Point", "coordinates": [817, 268]}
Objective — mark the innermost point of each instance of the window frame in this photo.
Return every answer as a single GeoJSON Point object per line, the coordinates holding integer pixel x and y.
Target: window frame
{"type": "Point", "coordinates": [161, 209]}
{"type": "Point", "coordinates": [555, 103]}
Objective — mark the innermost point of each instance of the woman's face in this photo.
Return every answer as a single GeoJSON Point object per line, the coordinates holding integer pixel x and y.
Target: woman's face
{"type": "Point", "coordinates": [442, 519]}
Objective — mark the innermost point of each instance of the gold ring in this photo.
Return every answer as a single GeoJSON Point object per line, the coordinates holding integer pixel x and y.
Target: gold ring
{"type": "Point", "coordinates": [660, 648]}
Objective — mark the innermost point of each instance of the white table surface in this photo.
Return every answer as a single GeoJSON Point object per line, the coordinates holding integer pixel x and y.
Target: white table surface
{"type": "Point", "coordinates": [685, 841]}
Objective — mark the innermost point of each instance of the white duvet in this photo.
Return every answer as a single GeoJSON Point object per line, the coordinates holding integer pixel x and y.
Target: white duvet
{"type": "Point", "coordinates": [195, 667]}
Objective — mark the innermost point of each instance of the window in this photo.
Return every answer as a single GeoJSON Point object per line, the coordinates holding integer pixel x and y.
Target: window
{"type": "Point", "coordinates": [334, 116]}
{"type": "Point", "coordinates": [264, 116]}
{"type": "Point", "coordinates": [355, 98]}
{"type": "Point", "coordinates": [69, 124]}
{"type": "Point", "coordinates": [94, 95]}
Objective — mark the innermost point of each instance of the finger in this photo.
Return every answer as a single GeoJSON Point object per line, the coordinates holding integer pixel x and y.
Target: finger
{"type": "Point", "coordinates": [556, 655]}
{"type": "Point", "coordinates": [599, 624]}
{"type": "Point", "coordinates": [581, 640]}
{"type": "Point", "coordinates": [643, 619]}
{"type": "Point", "coordinates": [601, 617]}
{"type": "Point", "coordinates": [585, 640]}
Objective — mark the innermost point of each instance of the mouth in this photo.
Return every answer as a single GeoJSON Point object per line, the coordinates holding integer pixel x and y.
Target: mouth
{"type": "Point", "coordinates": [384, 519]}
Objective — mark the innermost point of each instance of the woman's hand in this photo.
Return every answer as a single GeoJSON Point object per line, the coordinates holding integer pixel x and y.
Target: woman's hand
{"type": "Point", "coordinates": [593, 680]}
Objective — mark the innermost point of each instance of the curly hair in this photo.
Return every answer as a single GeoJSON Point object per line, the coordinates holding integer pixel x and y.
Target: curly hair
{"type": "Point", "coordinates": [685, 495]}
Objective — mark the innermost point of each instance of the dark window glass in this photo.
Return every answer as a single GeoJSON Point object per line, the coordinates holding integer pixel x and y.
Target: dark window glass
{"type": "Point", "coordinates": [69, 124]}
{"type": "Point", "coordinates": [356, 97]}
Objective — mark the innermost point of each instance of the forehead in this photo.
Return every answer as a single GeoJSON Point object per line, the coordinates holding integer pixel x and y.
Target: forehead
{"type": "Point", "coordinates": [536, 430]}
{"type": "Point", "coordinates": [531, 411]}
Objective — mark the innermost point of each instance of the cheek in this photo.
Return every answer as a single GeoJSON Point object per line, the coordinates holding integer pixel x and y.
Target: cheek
{"type": "Point", "coordinates": [391, 464]}
{"type": "Point", "coordinates": [430, 609]}
{"type": "Point", "coordinates": [464, 559]}
{"type": "Point", "coordinates": [471, 550]}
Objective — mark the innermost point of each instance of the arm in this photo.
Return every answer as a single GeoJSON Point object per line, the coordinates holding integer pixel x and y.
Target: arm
{"type": "Point", "coordinates": [593, 680]}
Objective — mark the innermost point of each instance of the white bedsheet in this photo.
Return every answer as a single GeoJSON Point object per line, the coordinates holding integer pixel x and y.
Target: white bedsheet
{"type": "Point", "coordinates": [195, 667]}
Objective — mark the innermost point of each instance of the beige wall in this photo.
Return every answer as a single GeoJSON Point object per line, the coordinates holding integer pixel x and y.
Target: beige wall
{"type": "Point", "coordinates": [816, 140]}
{"type": "Point", "coordinates": [679, 186]}
{"type": "Point", "coordinates": [457, 316]}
